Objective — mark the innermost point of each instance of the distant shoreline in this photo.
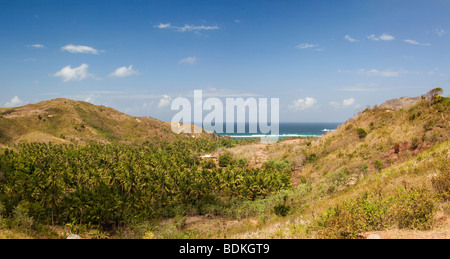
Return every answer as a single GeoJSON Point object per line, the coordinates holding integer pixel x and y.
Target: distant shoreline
{"type": "Point", "coordinates": [289, 130]}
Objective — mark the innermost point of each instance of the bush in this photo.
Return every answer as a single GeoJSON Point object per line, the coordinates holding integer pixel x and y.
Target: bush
{"type": "Point", "coordinates": [21, 217]}
{"type": "Point", "coordinates": [312, 158]}
{"type": "Point", "coordinates": [281, 210]}
{"type": "Point", "coordinates": [2, 212]}
{"type": "Point", "coordinates": [277, 165]}
{"type": "Point", "coordinates": [407, 208]}
{"type": "Point", "coordinates": [208, 163]}
{"type": "Point", "coordinates": [441, 183]}
{"type": "Point", "coordinates": [364, 168]}
{"type": "Point", "coordinates": [414, 143]}
{"type": "Point", "coordinates": [149, 235]}
{"type": "Point", "coordinates": [415, 209]}
{"type": "Point", "coordinates": [335, 180]}
{"type": "Point", "coordinates": [361, 132]}
{"type": "Point", "coordinates": [225, 160]}
{"type": "Point", "coordinates": [378, 165]}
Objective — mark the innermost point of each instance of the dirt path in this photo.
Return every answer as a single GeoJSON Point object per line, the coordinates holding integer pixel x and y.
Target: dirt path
{"type": "Point", "coordinates": [256, 154]}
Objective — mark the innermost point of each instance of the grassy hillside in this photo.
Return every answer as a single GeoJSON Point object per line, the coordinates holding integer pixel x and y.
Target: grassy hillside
{"type": "Point", "coordinates": [66, 121]}
{"type": "Point", "coordinates": [394, 156]}
{"type": "Point", "coordinates": [378, 138]}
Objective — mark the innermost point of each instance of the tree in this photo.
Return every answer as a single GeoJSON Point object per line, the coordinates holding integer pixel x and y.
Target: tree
{"type": "Point", "coordinates": [225, 159]}
{"type": "Point", "coordinates": [434, 95]}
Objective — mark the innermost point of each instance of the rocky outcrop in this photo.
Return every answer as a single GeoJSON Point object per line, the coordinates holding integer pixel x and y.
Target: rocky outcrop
{"type": "Point", "coordinates": [400, 103]}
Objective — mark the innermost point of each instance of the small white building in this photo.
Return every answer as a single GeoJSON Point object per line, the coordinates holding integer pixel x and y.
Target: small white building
{"type": "Point", "coordinates": [207, 156]}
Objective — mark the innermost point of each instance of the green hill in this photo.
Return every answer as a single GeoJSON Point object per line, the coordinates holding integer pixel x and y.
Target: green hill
{"type": "Point", "coordinates": [378, 138]}
{"type": "Point", "coordinates": [67, 121]}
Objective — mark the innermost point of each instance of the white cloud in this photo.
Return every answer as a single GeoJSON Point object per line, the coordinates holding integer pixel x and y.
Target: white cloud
{"type": "Point", "coordinates": [74, 74]}
{"type": "Point", "coordinates": [189, 60]}
{"type": "Point", "coordinates": [79, 49]}
{"type": "Point", "coordinates": [377, 73]}
{"type": "Point", "coordinates": [373, 37]}
{"type": "Point", "coordinates": [165, 101]}
{"type": "Point", "coordinates": [303, 104]}
{"type": "Point", "coordinates": [15, 101]}
{"type": "Point", "coordinates": [413, 42]}
{"type": "Point", "coordinates": [197, 28]}
{"type": "Point", "coordinates": [347, 37]}
{"type": "Point", "coordinates": [163, 26]}
{"type": "Point", "coordinates": [348, 102]}
{"type": "Point", "coordinates": [306, 46]}
{"type": "Point", "coordinates": [309, 46]}
{"type": "Point", "coordinates": [37, 46]}
{"type": "Point", "coordinates": [124, 71]}
{"type": "Point", "coordinates": [440, 32]}
{"type": "Point", "coordinates": [222, 93]}
{"type": "Point", "coordinates": [365, 87]}
{"type": "Point", "coordinates": [384, 37]}
{"type": "Point", "coordinates": [380, 73]}
{"type": "Point", "coordinates": [345, 103]}
{"type": "Point", "coordinates": [89, 99]}
{"type": "Point", "coordinates": [186, 27]}
{"type": "Point", "coordinates": [335, 104]}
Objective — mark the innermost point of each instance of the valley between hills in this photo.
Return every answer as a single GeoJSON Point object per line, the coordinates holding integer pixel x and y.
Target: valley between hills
{"type": "Point", "coordinates": [70, 167]}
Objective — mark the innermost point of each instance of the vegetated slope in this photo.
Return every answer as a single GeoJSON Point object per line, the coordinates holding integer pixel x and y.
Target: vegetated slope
{"type": "Point", "coordinates": [376, 138]}
{"type": "Point", "coordinates": [388, 168]}
{"type": "Point", "coordinates": [66, 121]}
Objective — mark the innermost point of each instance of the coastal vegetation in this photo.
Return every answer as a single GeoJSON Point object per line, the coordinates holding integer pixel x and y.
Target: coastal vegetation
{"type": "Point", "coordinates": [92, 171]}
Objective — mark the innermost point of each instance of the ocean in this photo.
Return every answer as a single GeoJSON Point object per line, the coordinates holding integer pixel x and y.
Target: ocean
{"type": "Point", "coordinates": [290, 129]}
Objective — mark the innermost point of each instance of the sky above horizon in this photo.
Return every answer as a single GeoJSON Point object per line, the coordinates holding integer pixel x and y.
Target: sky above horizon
{"type": "Point", "coordinates": [324, 60]}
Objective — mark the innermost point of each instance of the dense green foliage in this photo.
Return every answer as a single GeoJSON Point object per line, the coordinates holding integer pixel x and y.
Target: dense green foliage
{"type": "Point", "coordinates": [361, 132]}
{"type": "Point", "coordinates": [408, 208]}
{"type": "Point", "coordinates": [117, 184]}
{"type": "Point", "coordinates": [226, 159]}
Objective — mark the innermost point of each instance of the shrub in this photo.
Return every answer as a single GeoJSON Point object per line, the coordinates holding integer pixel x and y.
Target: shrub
{"type": "Point", "coordinates": [180, 222]}
{"type": "Point", "coordinates": [281, 210]}
{"type": "Point", "coordinates": [378, 165]}
{"type": "Point", "coordinates": [2, 212]}
{"type": "Point", "coordinates": [277, 165]}
{"type": "Point", "coordinates": [21, 217]}
{"type": "Point", "coordinates": [312, 158]}
{"type": "Point", "coordinates": [208, 163]}
{"type": "Point", "coordinates": [413, 209]}
{"type": "Point", "coordinates": [414, 143]}
{"type": "Point", "coordinates": [149, 235]}
{"type": "Point", "coordinates": [441, 183]}
{"type": "Point", "coordinates": [335, 180]}
{"type": "Point", "coordinates": [226, 159]}
{"type": "Point", "coordinates": [361, 132]}
{"type": "Point", "coordinates": [364, 168]}
{"type": "Point", "coordinates": [342, 221]}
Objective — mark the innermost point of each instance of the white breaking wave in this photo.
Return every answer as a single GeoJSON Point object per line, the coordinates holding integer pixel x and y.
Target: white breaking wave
{"type": "Point", "coordinates": [327, 130]}
{"type": "Point", "coordinates": [273, 136]}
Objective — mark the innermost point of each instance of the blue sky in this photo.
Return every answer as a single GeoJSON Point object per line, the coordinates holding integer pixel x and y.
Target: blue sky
{"type": "Point", "coordinates": [325, 60]}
